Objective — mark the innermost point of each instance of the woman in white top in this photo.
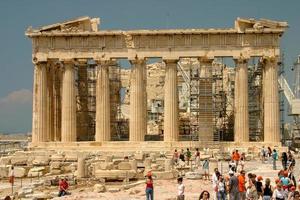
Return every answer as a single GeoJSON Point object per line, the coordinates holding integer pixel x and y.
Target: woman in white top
{"type": "Point", "coordinates": [279, 193]}
{"type": "Point", "coordinates": [221, 188]}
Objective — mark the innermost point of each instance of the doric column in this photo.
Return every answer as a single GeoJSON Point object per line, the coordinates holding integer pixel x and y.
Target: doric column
{"type": "Point", "coordinates": [271, 101]}
{"type": "Point", "coordinates": [68, 103]}
{"type": "Point", "coordinates": [40, 105]}
{"type": "Point", "coordinates": [57, 79]}
{"type": "Point", "coordinates": [82, 102]}
{"type": "Point", "coordinates": [241, 114]}
{"type": "Point", "coordinates": [50, 99]}
{"type": "Point", "coordinates": [171, 132]}
{"type": "Point", "coordinates": [103, 103]}
{"type": "Point", "coordinates": [137, 122]}
{"type": "Point", "coordinates": [205, 100]}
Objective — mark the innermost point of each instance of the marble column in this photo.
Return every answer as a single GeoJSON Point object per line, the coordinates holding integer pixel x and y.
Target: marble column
{"type": "Point", "coordinates": [57, 79]}
{"type": "Point", "coordinates": [205, 99]}
{"type": "Point", "coordinates": [241, 114]}
{"type": "Point", "coordinates": [171, 132]}
{"type": "Point", "coordinates": [138, 121]}
{"type": "Point", "coordinates": [82, 102]}
{"type": "Point", "coordinates": [50, 99]}
{"type": "Point", "coordinates": [40, 106]}
{"type": "Point", "coordinates": [271, 101]}
{"type": "Point", "coordinates": [69, 133]}
{"type": "Point", "coordinates": [103, 103]}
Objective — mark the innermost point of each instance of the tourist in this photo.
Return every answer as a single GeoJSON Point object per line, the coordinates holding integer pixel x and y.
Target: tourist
{"type": "Point", "coordinates": [188, 156]}
{"type": "Point", "coordinates": [242, 162]}
{"type": "Point", "coordinates": [295, 196]}
{"type": "Point", "coordinates": [291, 160]}
{"type": "Point", "coordinates": [63, 187]}
{"type": "Point", "coordinates": [251, 191]}
{"type": "Point", "coordinates": [181, 155]}
{"type": "Point", "coordinates": [263, 154]}
{"type": "Point", "coordinates": [205, 167]}
{"type": "Point", "coordinates": [291, 176]}
{"type": "Point", "coordinates": [267, 190]}
{"type": "Point", "coordinates": [175, 156]}
{"type": "Point", "coordinates": [233, 187]}
{"type": "Point", "coordinates": [291, 192]}
{"type": "Point", "coordinates": [285, 181]}
{"type": "Point", "coordinates": [269, 154]}
{"type": "Point", "coordinates": [197, 158]}
{"type": "Point", "coordinates": [215, 179]}
{"type": "Point", "coordinates": [275, 158]}
{"type": "Point", "coordinates": [278, 193]}
{"type": "Point", "coordinates": [12, 176]}
{"type": "Point", "coordinates": [204, 195]}
{"type": "Point", "coordinates": [232, 166]}
{"type": "Point", "coordinates": [284, 159]}
{"type": "Point", "coordinates": [149, 188]}
{"type": "Point", "coordinates": [242, 183]}
{"type": "Point", "coordinates": [180, 189]}
{"type": "Point", "coordinates": [221, 192]}
{"type": "Point", "coordinates": [259, 186]}
{"type": "Point", "coordinates": [236, 157]}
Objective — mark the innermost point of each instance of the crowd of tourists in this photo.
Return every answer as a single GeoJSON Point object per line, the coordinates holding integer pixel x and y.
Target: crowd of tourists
{"type": "Point", "coordinates": [237, 184]}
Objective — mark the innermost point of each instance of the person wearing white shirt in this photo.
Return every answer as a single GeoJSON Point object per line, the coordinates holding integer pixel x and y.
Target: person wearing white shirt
{"type": "Point", "coordinates": [279, 193]}
{"type": "Point", "coordinates": [215, 178]}
{"type": "Point", "coordinates": [180, 189]}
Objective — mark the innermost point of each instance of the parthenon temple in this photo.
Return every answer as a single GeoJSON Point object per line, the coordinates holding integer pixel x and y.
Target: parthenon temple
{"type": "Point", "coordinates": [83, 96]}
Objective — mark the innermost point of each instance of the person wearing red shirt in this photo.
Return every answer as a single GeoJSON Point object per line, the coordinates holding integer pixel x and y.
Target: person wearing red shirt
{"type": "Point", "coordinates": [63, 186]}
{"type": "Point", "coordinates": [149, 188]}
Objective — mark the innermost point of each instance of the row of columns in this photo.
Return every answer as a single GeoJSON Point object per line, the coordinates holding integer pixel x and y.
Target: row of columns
{"type": "Point", "coordinates": [43, 103]}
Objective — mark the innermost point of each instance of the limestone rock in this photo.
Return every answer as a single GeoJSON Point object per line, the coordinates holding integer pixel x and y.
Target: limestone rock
{"type": "Point", "coordinates": [139, 156]}
{"type": "Point", "coordinates": [3, 171]}
{"type": "Point", "coordinates": [22, 192]}
{"type": "Point", "coordinates": [165, 174]}
{"type": "Point", "coordinates": [55, 165]}
{"type": "Point", "coordinates": [124, 166]}
{"type": "Point", "coordinates": [57, 157]}
{"type": "Point", "coordinates": [55, 172]}
{"type": "Point", "coordinates": [19, 160]}
{"type": "Point", "coordinates": [36, 172]}
{"type": "Point", "coordinates": [154, 166]}
{"type": "Point", "coordinates": [106, 165]}
{"type": "Point", "coordinates": [41, 160]}
{"type": "Point", "coordinates": [99, 188]}
{"type": "Point", "coordinates": [5, 160]}
{"type": "Point", "coordinates": [193, 175]}
{"type": "Point", "coordinates": [20, 172]}
{"type": "Point", "coordinates": [115, 174]}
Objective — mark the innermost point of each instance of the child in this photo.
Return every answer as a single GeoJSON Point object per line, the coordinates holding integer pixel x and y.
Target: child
{"type": "Point", "coordinates": [180, 193]}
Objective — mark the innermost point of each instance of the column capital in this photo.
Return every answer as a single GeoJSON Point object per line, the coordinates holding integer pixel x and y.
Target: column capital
{"type": "Point", "coordinates": [241, 59]}
{"type": "Point", "coordinates": [137, 61]}
{"type": "Point", "coordinates": [269, 58]}
{"type": "Point", "coordinates": [80, 61]}
{"type": "Point", "coordinates": [206, 59]}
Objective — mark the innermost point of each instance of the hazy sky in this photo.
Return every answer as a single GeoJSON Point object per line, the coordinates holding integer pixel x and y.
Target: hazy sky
{"type": "Point", "coordinates": [16, 15]}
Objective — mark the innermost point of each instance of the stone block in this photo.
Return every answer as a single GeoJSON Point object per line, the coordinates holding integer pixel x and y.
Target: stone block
{"type": "Point", "coordinates": [20, 172]}
{"type": "Point", "coordinates": [71, 157]}
{"type": "Point", "coordinates": [165, 174]}
{"type": "Point", "coordinates": [139, 156]}
{"type": "Point", "coordinates": [41, 160]}
{"type": "Point", "coordinates": [193, 175]}
{"type": "Point", "coordinates": [99, 188]}
{"type": "Point", "coordinates": [124, 166]}
{"type": "Point", "coordinates": [55, 165]}
{"type": "Point", "coordinates": [5, 160]}
{"type": "Point", "coordinates": [19, 160]}
{"type": "Point", "coordinates": [105, 166]}
{"type": "Point", "coordinates": [36, 172]}
{"type": "Point", "coordinates": [56, 171]}
{"type": "Point", "coordinates": [22, 192]}
{"type": "Point", "coordinates": [154, 166]}
{"type": "Point", "coordinates": [3, 171]}
{"type": "Point", "coordinates": [57, 157]}
{"type": "Point", "coordinates": [115, 174]}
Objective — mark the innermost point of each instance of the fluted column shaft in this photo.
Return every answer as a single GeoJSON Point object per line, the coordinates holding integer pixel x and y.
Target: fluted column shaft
{"type": "Point", "coordinates": [171, 132]}
{"type": "Point", "coordinates": [57, 79]}
{"type": "Point", "coordinates": [68, 104]}
{"type": "Point", "coordinates": [103, 103]}
{"type": "Point", "coordinates": [50, 99]}
{"type": "Point", "coordinates": [137, 122]}
{"type": "Point", "coordinates": [271, 101]}
{"type": "Point", "coordinates": [241, 117]}
{"type": "Point", "coordinates": [40, 104]}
